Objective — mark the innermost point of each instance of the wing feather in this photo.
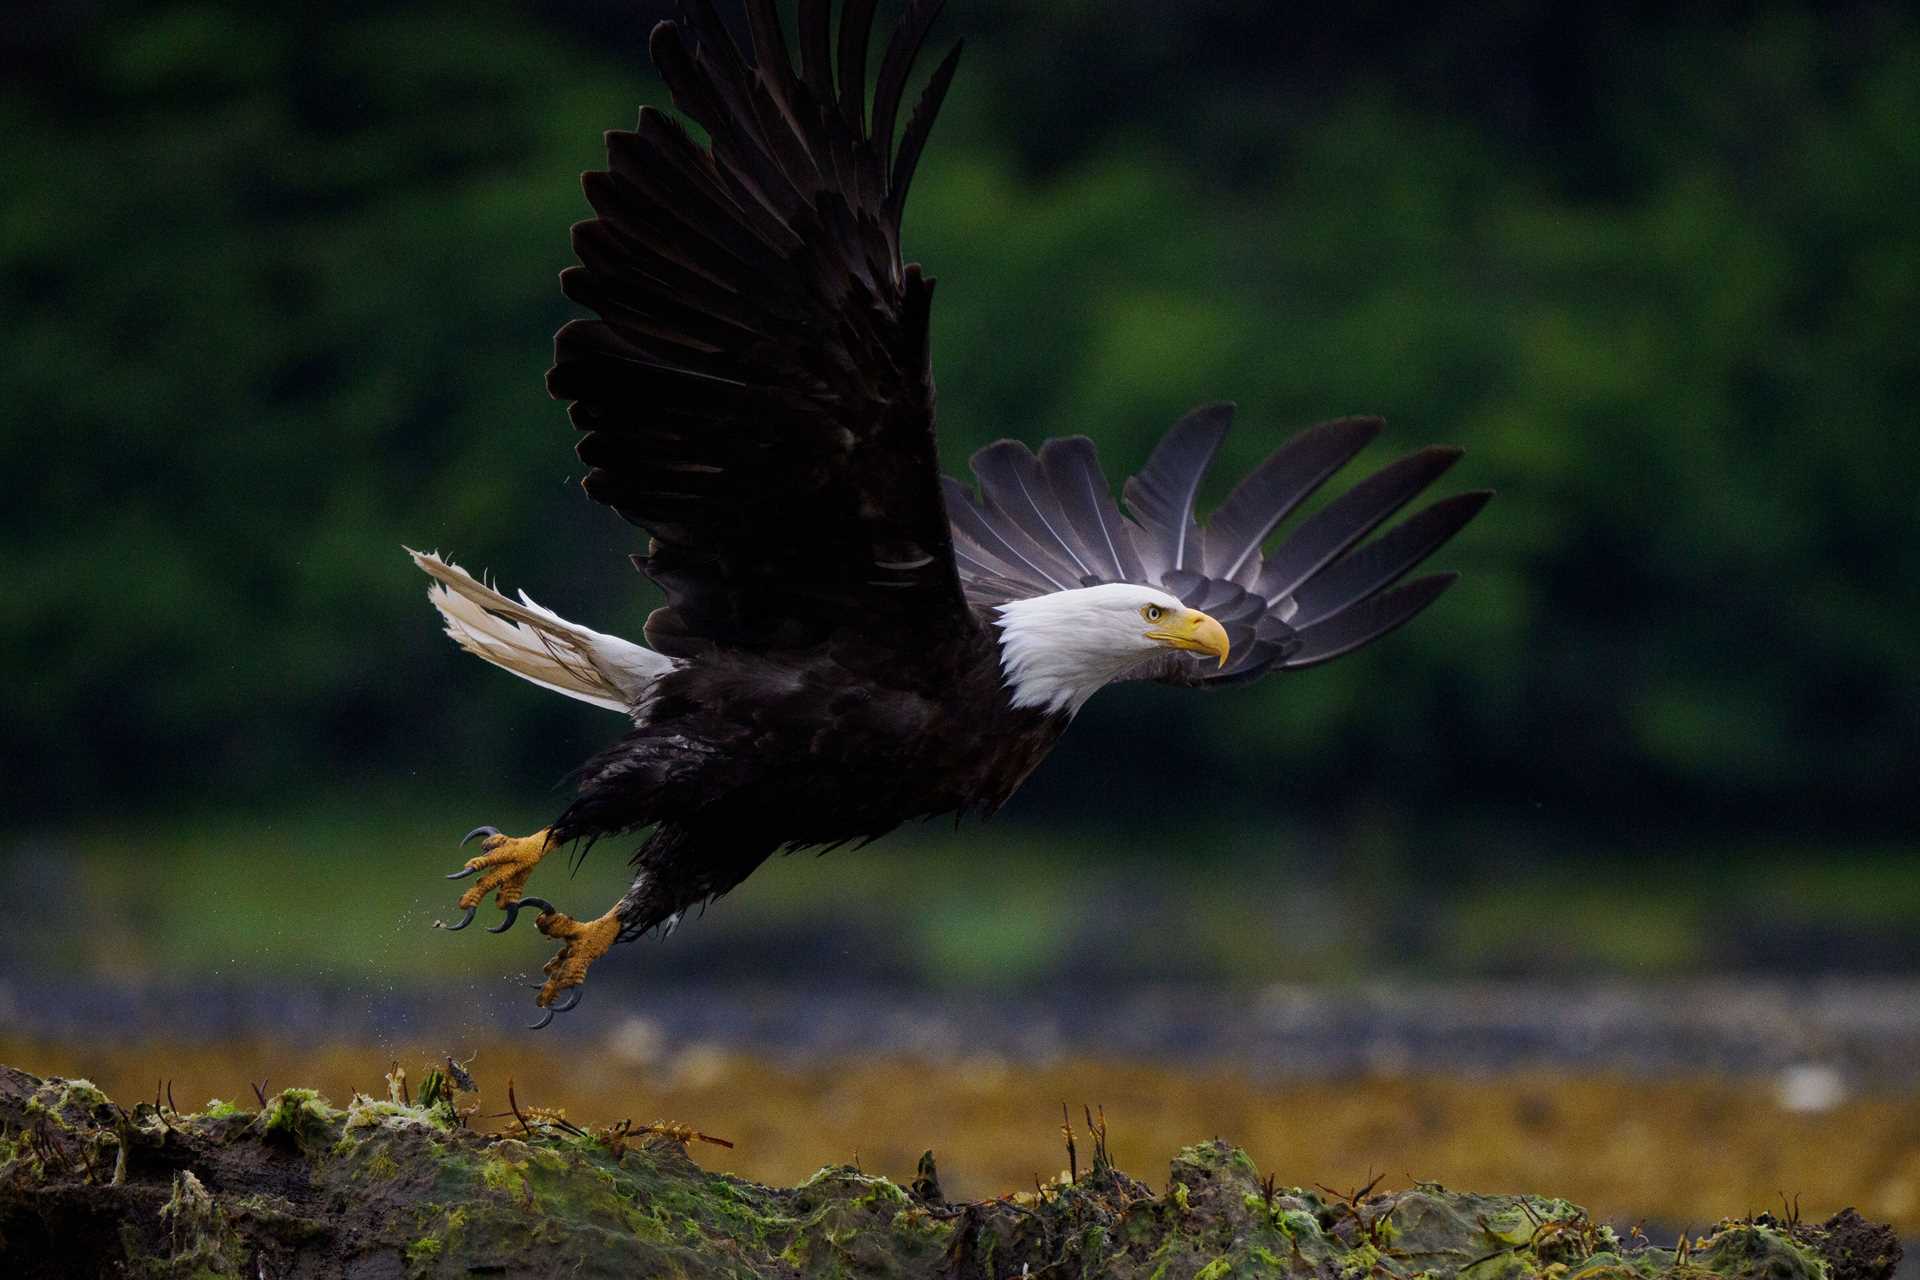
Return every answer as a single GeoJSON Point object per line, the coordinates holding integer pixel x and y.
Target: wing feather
{"type": "Point", "coordinates": [1072, 469]}
{"type": "Point", "coordinates": [816, 56]}
{"type": "Point", "coordinates": [1013, 486]}
{"type": "Point", "coordinates": [1003, 544]}
{"type": "Point", "coordinates": [1382, 562]}
{"type": "Point", "coordinates": [757, 361]}
{"type": "Point", "coordinates": [1161, 497]}
{"type": "Point", "coordinates": [896, 65]}
{"type": "Point", "coordinates": [1349, 518]}
{"type": "Point", "coordinates": [919, 126]}
{"type": "Point", "coordinates": [1367, 621]}
{"type": "Point", "coordinates": [856, 33]}
{"type": "Point", "coordinates": [1272, 490]}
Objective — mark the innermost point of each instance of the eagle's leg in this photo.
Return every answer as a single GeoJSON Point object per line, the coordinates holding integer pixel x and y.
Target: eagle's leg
{"type": "Point", "coordinates": [582, 942]}
{"type": "Point", "coordinates": [653, 901]}
{"type": "Point", "coordinates": [503, 865]}
{"type": "Point", "coordinates": [667, 884]}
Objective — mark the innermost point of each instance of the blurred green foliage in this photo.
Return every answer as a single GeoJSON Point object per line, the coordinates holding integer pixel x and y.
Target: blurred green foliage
{"type": "Point", "coordinates": [278, 286]}
{"type": "Point", "coordinates": [330, 895]}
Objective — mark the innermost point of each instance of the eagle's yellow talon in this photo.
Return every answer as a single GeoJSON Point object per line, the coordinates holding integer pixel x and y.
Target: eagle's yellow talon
{"type": "Point", "coordinates": [503, 864]}
{"type": "Point", "coordinates": [583, 944]}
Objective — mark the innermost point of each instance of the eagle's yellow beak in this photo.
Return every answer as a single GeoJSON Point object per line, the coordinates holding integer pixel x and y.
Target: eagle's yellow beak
{"type": "Point", "coordinates": [1193, 631]}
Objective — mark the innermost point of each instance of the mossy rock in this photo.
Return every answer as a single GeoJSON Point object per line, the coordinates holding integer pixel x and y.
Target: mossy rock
{"type": "Point", "coordinates": [391, 1189]}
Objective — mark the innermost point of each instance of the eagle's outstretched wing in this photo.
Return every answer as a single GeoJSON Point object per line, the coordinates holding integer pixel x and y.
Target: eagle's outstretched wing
{"type": "Point", "coordinates": [1049, 522]}
{"type": "Point", "coordinates": [756, 390]}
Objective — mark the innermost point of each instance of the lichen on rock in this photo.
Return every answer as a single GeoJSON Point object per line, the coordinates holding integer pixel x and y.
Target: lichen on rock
{"type": "Point", "coordinates": [404, 1188]}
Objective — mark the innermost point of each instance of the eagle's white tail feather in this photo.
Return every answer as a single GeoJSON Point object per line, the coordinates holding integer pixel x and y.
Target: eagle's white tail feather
{"type": "Point", "coordinates": [538, 644]}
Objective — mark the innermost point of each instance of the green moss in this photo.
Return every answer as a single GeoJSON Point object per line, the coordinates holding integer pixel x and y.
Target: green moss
{"type": "Point", "coordinates": [80, 1093]}
{"type": "Point", "coordinates": [367, 1113]}
{"type": "Point", "coordinates": [196, 1228]}
{"type": "Point", "coordinates": [1509, 1226]}
{"type": "Point", "coordinates": [1359, 1261]}
{"type": "Point", "coordinates": [423, 1253]}
{"type": "Point", "coordinates": [1611, 1266]}
{"type": "Point", "coordinates": [297, 1115]}
{"type": "Point", "coordinates": [506, 1177]}
{"type": "Point", "coordinates": [219, 1109]}
{"type": "Point", "coordinates": [882, 1196]}
{"type": "Point", "coordinates": [65, 1103]}
{"type": "Point", "coordinates": [435, 1088]}
{"type": "Point", "coordinates": [275, 1216]}
{"type": "Point", "coordinates": [1092, 1243]}
{"type": "Point", "coordinates": [446, 1201]}
{"type": "Point", "coordinates": [1749, 1250]}
{"type": "Point", "coordinates": [1507, 1266]}
{"type": "Point", "coordinates": [1298, 1224]}
{"type": "Point", "coordinates": [798, 1253]}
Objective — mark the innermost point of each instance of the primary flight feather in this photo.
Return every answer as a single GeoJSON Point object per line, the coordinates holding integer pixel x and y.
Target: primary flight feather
{"type": "Point", "coordinates": [850, 641]}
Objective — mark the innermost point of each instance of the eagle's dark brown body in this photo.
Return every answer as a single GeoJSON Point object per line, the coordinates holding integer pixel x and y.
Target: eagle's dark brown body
{"type": "Point", "coordinates": [743, 756]}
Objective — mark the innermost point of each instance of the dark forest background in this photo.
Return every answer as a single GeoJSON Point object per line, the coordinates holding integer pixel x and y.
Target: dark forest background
{"type": "Point", "coordinates": [279, 287]}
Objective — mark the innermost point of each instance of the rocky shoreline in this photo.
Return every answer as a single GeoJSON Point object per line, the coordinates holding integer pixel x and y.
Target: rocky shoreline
{"type": "Point", "coordinates": [404, 1186]}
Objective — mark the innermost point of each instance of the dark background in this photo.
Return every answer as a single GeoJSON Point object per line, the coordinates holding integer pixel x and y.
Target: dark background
{"type": "Point", "coordinates": [279, 288]}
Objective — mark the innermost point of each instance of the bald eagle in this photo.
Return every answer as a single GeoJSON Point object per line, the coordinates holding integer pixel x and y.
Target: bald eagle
{"type": "Point", "coordinates": [850, 641]}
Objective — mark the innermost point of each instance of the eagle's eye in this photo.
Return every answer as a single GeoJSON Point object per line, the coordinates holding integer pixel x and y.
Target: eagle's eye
{"type": "Point", "coordinates": [1152, 613]}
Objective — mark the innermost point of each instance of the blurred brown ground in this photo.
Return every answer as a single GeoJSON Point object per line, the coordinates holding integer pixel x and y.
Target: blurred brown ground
{"type": "Point", "coordinates": [1677, 1152]}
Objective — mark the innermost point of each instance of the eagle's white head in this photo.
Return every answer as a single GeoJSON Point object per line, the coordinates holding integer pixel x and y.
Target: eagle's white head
{"type": "Point", "coordinates": [1057, 650]}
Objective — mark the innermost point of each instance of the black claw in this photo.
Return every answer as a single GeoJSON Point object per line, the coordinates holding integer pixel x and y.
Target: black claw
{"type": "Point", "coordinates": [464, 872]}
{"type": "Point", "coordinates": [547, 1016]}
{"type": "Point", "coordinates": [513, 912]}
{"type": "Point", "coordinates": [465, 920]}
{"type": "Point", "coordinates": [478, 831]}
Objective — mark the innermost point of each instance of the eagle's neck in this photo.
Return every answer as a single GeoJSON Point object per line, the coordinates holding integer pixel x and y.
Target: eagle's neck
{"type": "Point", "coordinates": [1055, 652]}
